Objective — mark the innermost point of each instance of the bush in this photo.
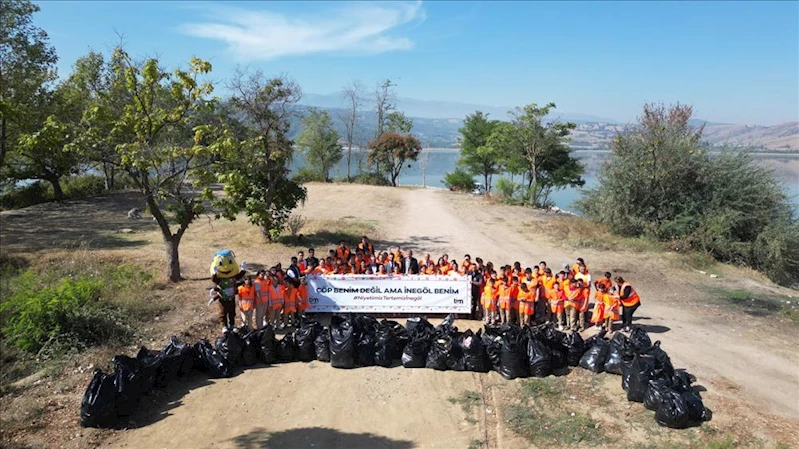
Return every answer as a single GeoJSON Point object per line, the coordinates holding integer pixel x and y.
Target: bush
{"type": "Point", "coordinates": [83, 186]}
{"type": "Point", "coordinates": [371, 179]}
{"type": "Point", "coordinates": [65, 315]}
{"type": "Point", "coordinates": [307, 174]}
{"type": "Point", "coordinates": [460, 180]}
{"type": "Point", "coordinates": [28, 195]}
{"type": "Point", "coordinates": [506, 189]}
{"type": "Point", "coordinates": [294, 224]}
{"type": "Point", "coordinates": [661, 182]}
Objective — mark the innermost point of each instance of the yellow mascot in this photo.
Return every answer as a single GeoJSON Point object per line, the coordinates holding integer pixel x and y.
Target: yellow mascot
{"type": "Point", "coordinates": [226, 274]}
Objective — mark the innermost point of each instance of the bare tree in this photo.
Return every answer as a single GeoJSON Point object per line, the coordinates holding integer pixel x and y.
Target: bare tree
{"type": "Point", "coordinates": [351, 95]}
{"type": "Point", "coordinates": [385, 102]}
{"type": "Point", "coordinates": [423, 162]}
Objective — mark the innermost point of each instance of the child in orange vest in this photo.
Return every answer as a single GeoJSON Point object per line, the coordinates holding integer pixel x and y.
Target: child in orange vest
{"type": "Point", "coordinates": [289, 304]}
{"type": "Point", "coordinates": [490, 301]}
{"type": "Point", "coordinates": [246, 299]}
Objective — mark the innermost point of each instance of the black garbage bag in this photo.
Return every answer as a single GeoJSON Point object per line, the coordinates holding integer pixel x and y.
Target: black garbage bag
{"type": "Point", "coordinates": [654, 393]}
{"type": "Point", "coordinates": [287, 348]}
{"type": "Point", "coordinates": [180, 354]}
{"type": "Point", "coordinates": [415, 353]}
{"type": "Point", "coordinates": [595, 357]}
{"type": "Point", "coordinates": [618, 352]}
{"type": "Point", "coordinates": [575, 347]}
{"type": "Point", "coordinates": [455, 357]}
{"type": "Point", "coordinates": [154, 362]}
{"type": "Point", "coordinates": [250, 349]}
{"type": "Point", "coordinates": [98, 408]}
{"type": "Point", "coordinates": [265, 344]}
{"type": "Point", "coordinates": [364, 324]}
{"type": "Point", "coordinates": [386, 348]}
{"type": "Point", "coordinates": [322, 345]}
{"type": "Point", "coordinates": [641, 372]}
{"type": "Point", "coordinates": [400, 334]}
{"type": "Point", "coordinates": [697, 412]}
{"type": "Point", "coordinates": [554, 341]}
{"type": "Point", "coordinates": [513, 359]}
{"type": "Point", "coordinates": [626, 371]}
{"type": "Point", "coordinates": [539, 357]}
{"type": "Point", "coordinates": [418, 326]}
{"type": "Point", "coordinates": [306, 339]}
{"type": "Point", "coordinates": [663, 366]}
{"type": "Point", "coordinates": [591, 341]}
{"type": "Point", "coordinates": [639, 339]}
{"type": "Point", "coordinates": [473, 353]}
{"type": "Point", "coordinates": [342, 343]}
{"type": "Point", "coordinates": [681, 381]}
{"type": "Point", "coordinates": [231, 346]}
{"type": "Point", "coordinates": [492, 341]}
{"type": "Point", "coordinates": [130, 383]}
{"type": "Point", "coordinates": [210, 360]}
{"type": "Point", "coordinates": [439, 352]}
{"type": "Point", "coordinates": [672, 411]}
{"type": "Point", "coordinates": [365, 349]}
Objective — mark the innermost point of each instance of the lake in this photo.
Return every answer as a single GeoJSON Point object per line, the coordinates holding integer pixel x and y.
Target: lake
{"type": "Point", "coordinates": [443, 160]}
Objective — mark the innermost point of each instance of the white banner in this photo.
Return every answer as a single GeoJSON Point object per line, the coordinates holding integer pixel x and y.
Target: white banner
{"type": "Point", "coordinates": [389, 294]}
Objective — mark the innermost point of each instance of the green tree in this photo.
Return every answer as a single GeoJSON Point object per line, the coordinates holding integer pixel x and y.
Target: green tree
{"type": "Point", "coordinates": [541, 149]}
{"type": "Point", "coordinates": [44, 155]}
{"type": "Point", "coordinates": [392, 151]}
{"type": "Point", "coordinates": [255, 176]}
{"type": "Point", "coordinates": [170, 164]}
{"type": "Point", "coordinates": [385, 102]}
{"type": "Point", "coordinates": [398, 123]}
{"type": "Point", "coordinates": [477, 156]}
{"type": "Point", "coordinates": [320, 141]}
{"type": "Point", "coordinates": [27, 66]}
{"type": "Point", "coordinates": [660, 181]}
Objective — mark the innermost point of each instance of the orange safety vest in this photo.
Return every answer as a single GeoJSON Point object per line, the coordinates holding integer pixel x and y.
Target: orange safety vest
{"type": "Point", "coordinates": [302, 296]}
{"type": "Point", "coordinates": [343, 253]}
{"type": "Point", "coordinates": [633, 299]}
{"type": "Point", "coordinates": [276, 295]}
{"type": "Point", "coordinates": [247, 297]}
{"type": "Point", "coordinates": [604, 281]}
{"type": "Point", "coordinates": [290, 298]}
{"type": "Point", "coordinates": [526, 302]}
{"type": "Point", "coordinates": [261, 291]}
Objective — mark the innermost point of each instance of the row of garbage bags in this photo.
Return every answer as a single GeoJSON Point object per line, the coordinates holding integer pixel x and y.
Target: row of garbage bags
{"type": "Point", "coordinates": [360, 340]}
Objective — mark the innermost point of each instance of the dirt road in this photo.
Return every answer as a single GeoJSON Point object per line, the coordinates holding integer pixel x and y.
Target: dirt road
{"type": "Point", "coordinates": [751, 374]}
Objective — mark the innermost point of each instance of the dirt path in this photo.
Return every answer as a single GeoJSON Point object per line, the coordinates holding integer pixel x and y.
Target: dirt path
{"type": "Point", "coordinates": [748, 369]}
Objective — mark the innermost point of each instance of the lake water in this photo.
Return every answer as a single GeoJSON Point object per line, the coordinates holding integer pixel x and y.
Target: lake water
{"type": "Point", "coordinates": [443, 160]}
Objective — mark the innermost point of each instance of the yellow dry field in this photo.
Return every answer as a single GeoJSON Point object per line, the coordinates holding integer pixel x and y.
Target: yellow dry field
{"type": "Point", "coordinates": [748, 364]}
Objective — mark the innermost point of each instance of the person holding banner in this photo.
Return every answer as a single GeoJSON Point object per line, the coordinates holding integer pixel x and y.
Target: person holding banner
{"type": "Point", "coordinates": [410, 265]}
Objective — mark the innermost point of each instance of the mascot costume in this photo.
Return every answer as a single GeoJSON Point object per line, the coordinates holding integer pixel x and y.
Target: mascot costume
{"type": "Point", "coordinates": [226, 274]}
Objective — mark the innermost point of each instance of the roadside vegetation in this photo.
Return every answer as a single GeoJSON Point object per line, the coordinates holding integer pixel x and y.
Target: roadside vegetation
{"type": "Point", "coordinates": [661, 183]}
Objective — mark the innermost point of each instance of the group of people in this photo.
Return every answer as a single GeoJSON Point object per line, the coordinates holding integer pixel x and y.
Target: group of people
{"type": "Point", "coordinates": [504, 294]}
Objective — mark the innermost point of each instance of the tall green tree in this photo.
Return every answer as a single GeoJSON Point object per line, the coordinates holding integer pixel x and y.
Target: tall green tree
{"type": "Point", "coordinates": [541, 148]}
{"type": "Point", "coordinates": [170, 164]}
{"type": "Point", "coordinates": [256, 174]}
{"type": "Point", "coordinates": [44, 155]}
{"type": "Point", "coordinates": [319, 140]}
{"type": "Point", "coordinates": [27, 67]}
{"type": "Point", "coordinates": [477, 156]}
{"type": "Point", "coordinates": [392, 151]}
{"type": "Point", "coordinates": [398, 123]}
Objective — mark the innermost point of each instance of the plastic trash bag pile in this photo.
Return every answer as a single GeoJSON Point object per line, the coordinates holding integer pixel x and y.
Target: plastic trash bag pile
{"type": "Point", "coordinates": [358, 340]}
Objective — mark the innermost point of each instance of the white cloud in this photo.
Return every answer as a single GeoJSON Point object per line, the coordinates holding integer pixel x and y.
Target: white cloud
{"type": "Point", "coordinates": [258, 35]}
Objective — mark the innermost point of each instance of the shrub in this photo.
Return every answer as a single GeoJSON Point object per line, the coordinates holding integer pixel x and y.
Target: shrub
{"type": "Point", "coordinates": [460, 180]}
{"type": "Point", "coordinates": [28, 195]}
{"type": "Point", "coordinates": [294, 224]}
{"type": "Point", "coordinates": [506, 189]}
{"type": "Point", "coordinates": [659, 181]}
{"type": "Point", "coordinates": [307, 174]}
{"type": "Point", "coordinates": [372, 179]}
{"type": "Point", "coordinates": [83, 186]}
{"type": "Point", "coordinates": [68, 314]}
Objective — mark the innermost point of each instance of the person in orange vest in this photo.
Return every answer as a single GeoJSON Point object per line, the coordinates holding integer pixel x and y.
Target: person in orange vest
{"type": "Point", "coordinates": [574, 304]}
{"type": "Point", "coordinates": [246, 300]}
{"type": "Point", "coordinates": [466, 264]}
{"type": "Point", "coordinates": [542, 268]}
{"type": "Point", "coordinates": [526, 300]}
{"type": "Point", "coordinates": [261, 298]}
{"type": "Point", "coordinates": [604, 281]}
{"type": "Point", "coordinates": [513, 311]}
{"type": "Point", "coordinates": [343, 252]}
{"type": "Point", "coordinates": [289, 304]}
{"type": "Point", "coordinates": [610, 310]}
{"type": "Point", "coordinates": [490, 301]}
{"type": "Point", "coordinates": [366, 246]}
{"type": "Point", "coordinates": [629, 299]}
{"type": "Point", "coordinates": [302, 297]}
{"type": "Point", "coordinates": [557, 299]}
{"type": "Point", "coordinates": [277, 292]}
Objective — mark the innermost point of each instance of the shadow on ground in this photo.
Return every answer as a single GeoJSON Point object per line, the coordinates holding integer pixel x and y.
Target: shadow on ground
{"type": "Point", "coordinates": [93, 222]}
{"type": "Point", "coordinates": [316, 437]}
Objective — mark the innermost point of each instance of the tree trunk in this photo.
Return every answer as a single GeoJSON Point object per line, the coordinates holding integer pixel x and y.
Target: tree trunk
{"type": "Point", "coordinates": [3, 139]}
{"type": "Point", "coordinates": [172, 258]}
{"type": "Point", "coordinates": [486, 180]}
{"type": "Point", "coordinates": [349, 158]}
{"type": "Point", "coordinates": [58, 193]}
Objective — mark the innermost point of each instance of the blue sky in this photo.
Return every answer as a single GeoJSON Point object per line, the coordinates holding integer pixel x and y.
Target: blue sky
{"type": "Point", "coordinates": [736, 62]}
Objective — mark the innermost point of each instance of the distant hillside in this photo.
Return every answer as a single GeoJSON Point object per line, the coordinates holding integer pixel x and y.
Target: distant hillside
{"type": "Point", "coordinates": [592, 133]}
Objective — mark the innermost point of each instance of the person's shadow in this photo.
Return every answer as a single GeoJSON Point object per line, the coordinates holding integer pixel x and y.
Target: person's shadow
{"type": "Point", "coordinates": [316, 437]}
